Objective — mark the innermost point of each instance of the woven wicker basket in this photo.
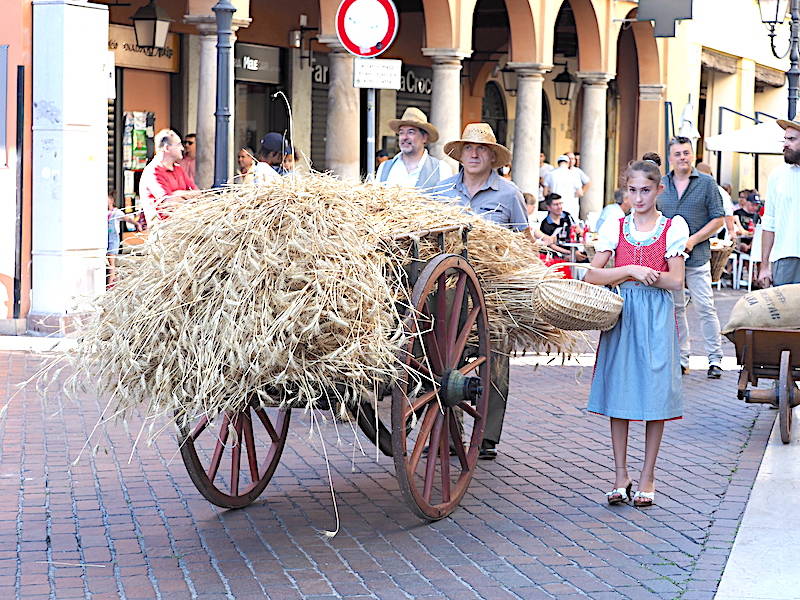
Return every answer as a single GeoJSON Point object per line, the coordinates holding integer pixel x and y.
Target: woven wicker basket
{"type": "Point", "coordinates": [574, 305]}
{"type": "Point", "coordinates": [719, 258]}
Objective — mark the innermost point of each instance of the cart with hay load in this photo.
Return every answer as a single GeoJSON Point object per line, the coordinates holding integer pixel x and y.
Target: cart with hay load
{"type": "Point", "coordinates": [317, 294]}
{"type": "Point", "coordinates": [430, 420]}
{"type": "Point", "coordinates": [770, 354]}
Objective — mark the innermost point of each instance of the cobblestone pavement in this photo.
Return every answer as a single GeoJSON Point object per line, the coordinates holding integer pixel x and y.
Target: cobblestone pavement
{"type": "Point", "coordinates": [532, 525]}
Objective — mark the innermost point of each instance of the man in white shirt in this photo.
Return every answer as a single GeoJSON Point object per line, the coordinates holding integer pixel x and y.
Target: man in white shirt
{"type": "Point", "coordinates": [580, 175]}
{"type": "Point", "coordinates": [544, 169]}
{"type": "Point", "coordinates": [780, 237]}
{"type": "Point", "coordinates": [563, 182]}
{"type": "Point", "coordinates": [413, 166]}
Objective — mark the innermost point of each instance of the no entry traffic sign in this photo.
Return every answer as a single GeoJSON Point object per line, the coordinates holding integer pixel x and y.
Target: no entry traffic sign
{"type": "Point", "coordinates": [366, 28]}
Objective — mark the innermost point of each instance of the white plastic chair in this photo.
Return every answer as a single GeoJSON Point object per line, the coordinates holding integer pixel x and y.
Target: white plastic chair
{"type": "Point", "coordinates": [734, 258]}
{"type": "Point", "coordinates": [752, 260]}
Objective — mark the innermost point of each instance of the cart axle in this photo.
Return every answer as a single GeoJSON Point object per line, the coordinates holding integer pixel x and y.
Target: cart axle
{"type": "Point", "coordinates": [456, 388]}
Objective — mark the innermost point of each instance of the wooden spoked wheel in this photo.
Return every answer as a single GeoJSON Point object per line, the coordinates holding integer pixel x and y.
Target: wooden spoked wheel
{"type": "Point", "coordinates": [232, 459]}
{"type": "Point", "coordinates": [786, 392]}
{"type": "Point", "coordinates": [440, 405]}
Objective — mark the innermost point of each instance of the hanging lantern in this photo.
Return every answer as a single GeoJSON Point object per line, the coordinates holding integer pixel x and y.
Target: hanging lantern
{"type": "Point", "coordinates": [151, 25]}
{"type": "Point", "coordinates": [564, 83]}
{"type": "Point", "coordinates": [510, 82]}
{"type": "Point", "coordinates": [773, 12]}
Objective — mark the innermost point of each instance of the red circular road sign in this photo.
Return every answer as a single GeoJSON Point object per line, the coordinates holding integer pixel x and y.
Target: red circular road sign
{"type": "Point", "coordinates": [367, 28]}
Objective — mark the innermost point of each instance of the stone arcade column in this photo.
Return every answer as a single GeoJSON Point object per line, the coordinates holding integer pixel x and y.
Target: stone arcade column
{"type": "Point", "coordinates": [528, 125]}
{"type": "Point", "coordinates": [446, 96]}
{"type": "Point", "coordinates": [342, 131]}
{"type": "Point", "coordinates": [649, 137]}
{"type": "Point", "coordinates": [69, 166]}
{"type": "Point", "coordinates": [206, 99]}
{"type": "Point", "coordinates": [593, 138]}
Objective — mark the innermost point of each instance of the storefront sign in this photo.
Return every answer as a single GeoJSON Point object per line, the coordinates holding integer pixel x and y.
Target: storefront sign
{"type": "Point", "coordinates": [417, 80]}
{"type": "Point", "coordinates": [122, 42]}
{"type": "Point", "coordinates": [377, 73]}
{"type": "Point", "coordinates": [260, 64]}
{"type": "Point", "coordinates": [413, 80]}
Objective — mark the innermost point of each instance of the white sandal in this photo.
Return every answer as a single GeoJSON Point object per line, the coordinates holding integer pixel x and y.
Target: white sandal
{"type": "Point", "coordinates": [619, 495]}
{"type": "Point", "coordinates": [643, 499]}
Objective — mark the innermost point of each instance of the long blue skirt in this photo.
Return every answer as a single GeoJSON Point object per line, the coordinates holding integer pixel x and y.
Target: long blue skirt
{"type": "Point", "coordinates": [637, 373]}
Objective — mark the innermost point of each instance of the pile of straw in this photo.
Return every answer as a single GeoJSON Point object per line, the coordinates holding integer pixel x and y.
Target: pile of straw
{"type": "Point", "coordinates": [283, 291]}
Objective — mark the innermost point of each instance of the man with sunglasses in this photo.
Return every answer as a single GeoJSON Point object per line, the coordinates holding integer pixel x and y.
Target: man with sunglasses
{"type": "Point", "coordinates": [189, 155]}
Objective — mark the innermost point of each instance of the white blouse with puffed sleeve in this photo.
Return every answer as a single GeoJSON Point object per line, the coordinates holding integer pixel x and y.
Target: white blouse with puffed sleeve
{"type": "Point", "coordinates": [677, 235]}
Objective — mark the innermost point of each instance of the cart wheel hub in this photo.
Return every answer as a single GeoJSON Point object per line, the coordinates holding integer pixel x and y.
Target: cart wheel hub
{"type": "Point", "coordinates": [457, 388]}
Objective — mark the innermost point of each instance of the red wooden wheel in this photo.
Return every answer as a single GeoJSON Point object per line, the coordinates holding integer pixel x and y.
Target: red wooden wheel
{"type": "Point", "coordinates": [439, 407]}
{"type": "Point", "coordinates": [232, 459]}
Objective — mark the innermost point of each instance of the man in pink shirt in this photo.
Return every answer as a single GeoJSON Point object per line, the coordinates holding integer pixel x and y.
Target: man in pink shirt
{"type": "Point", "coordinates": [163, 179]}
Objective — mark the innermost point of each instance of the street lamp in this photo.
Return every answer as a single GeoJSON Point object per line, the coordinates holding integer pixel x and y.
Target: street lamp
{"type": "Point", "coordinates": [151, 25]}
{"type": "Point", "coordinates": [564, 83]}
{"type": "Point", "coordinates": [223, 10]}
{"type": "Point", "coordinates": [773, 13]}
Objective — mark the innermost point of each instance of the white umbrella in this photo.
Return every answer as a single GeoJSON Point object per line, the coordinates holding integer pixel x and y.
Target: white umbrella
{"type": "Point", "coordinates": [758, 138]}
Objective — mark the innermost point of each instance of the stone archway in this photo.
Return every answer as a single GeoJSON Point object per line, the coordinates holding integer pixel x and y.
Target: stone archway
{"type": "Point", "coordinates": [592, 54]}
{"type": "Point", "coordinates": [519, 22]}
{"type": "Point", "coordinates": [639, 90]}
{"type": "Point", "coordinates": [578, 43]}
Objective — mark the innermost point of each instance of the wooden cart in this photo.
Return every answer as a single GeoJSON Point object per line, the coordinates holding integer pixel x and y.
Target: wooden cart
{"type": "Point", "coordinates": [770, 354]}
{"type": "Point", "coordinates": [431, 421]}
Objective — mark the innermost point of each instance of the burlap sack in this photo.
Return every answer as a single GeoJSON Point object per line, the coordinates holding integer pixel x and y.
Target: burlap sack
{"type": "Point", "coordinates": [772, 308]}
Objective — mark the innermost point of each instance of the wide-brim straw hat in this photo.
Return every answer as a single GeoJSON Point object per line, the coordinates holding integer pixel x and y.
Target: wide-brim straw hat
{"type": "Point", "coordinates": [414, 117]}
{"type": "Point", "coordinates": [479, 133]}
{"type": "Point", "coordinates": [793, 124]}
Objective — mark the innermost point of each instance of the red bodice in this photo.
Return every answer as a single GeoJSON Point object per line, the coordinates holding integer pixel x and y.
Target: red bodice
{"type": "Point", "coordinates": [643, 253]}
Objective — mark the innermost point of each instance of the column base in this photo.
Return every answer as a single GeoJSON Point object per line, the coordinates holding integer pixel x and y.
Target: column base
{"type": "Point", "coordinates": [13, 326]}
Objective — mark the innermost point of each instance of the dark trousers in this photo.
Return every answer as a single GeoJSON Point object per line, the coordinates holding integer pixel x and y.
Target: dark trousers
{"type": "Point", "coordinates": [498, 396]}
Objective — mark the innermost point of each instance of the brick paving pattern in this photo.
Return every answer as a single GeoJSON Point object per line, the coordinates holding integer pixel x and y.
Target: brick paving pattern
{"type": "Point", "coordinates": [532, 525]}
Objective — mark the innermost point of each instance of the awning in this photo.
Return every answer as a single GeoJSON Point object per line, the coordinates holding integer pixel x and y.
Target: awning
{"type": "Point", "coordinates": [761, 138]}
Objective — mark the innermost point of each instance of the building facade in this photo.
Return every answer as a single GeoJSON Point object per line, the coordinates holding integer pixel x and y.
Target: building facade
{"type": "Point", "coordinates": [479, 60]}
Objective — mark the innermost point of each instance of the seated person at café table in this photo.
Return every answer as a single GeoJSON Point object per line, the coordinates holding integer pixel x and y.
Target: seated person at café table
{"type": "Point", "coordinates": [748, 216]}
{"type": "Point", "coordinates": [558, 223]}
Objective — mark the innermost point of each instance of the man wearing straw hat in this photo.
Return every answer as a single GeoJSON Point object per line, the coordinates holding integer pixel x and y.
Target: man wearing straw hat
{"type": "Point", "coordinates": [480, 188]}
{"type": "Point", "coordinates": [413, 166]}
{"type": "Point", "coordinates": [780, 237]}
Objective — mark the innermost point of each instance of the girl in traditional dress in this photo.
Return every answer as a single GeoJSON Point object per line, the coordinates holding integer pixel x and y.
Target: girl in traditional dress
{"type": "Point", "coordinates": [637, 374]}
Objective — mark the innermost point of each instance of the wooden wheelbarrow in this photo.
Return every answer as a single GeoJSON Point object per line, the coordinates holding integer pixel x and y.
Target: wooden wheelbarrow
{"type": "Point", "coordinates": [770, 354]}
